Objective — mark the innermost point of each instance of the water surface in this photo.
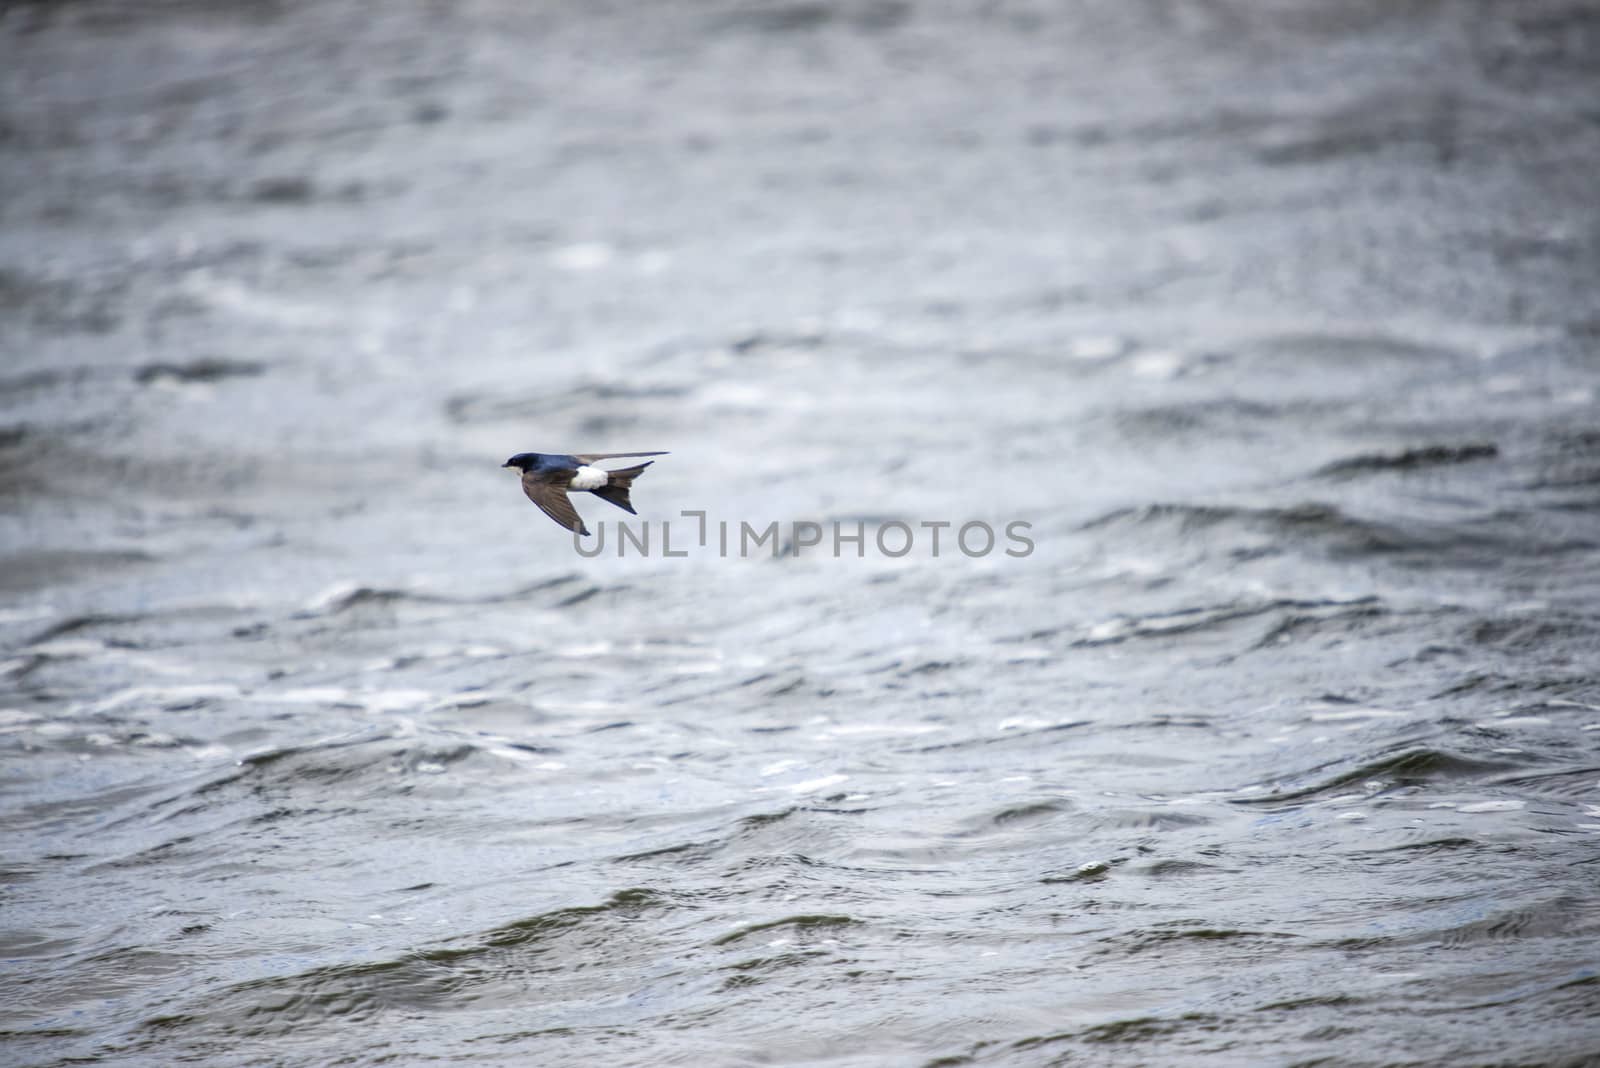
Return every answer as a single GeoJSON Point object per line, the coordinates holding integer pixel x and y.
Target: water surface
{"type": "Point", "coordinates": [1276, 323]}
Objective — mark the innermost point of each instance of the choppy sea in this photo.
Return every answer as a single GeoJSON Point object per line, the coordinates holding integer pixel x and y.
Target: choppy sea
{"type": "Point", "coordinates": [1275, 325]}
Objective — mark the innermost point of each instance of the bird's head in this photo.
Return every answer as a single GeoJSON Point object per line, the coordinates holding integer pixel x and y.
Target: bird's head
{"type": "Point", "coordinates": [523, 460]}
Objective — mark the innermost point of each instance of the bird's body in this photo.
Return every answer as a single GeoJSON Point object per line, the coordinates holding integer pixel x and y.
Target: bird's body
{"type": "Point", "coordinates": [589, 478]}
{"type": "Point", "coordinates": [548, 477]}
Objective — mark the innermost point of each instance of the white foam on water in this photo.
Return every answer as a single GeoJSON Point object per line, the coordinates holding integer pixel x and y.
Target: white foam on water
{"type": "Point", "coordinates": [813, 785]}
{"type": "Point", "coordinates": [778, 768]}
{"type": "Point", "coordinates": [879, 730]}
{"type": "Point", "coordinates": [396, 700]}
{"type": "Point", "coordinates": [1157, 364]}
{"type": "Point", "coordinates": [310, 695]}
{"type": "Point", "coordinates": [1346, 714]}
{"type": "Point", "coordinates": [1493, 806]}
{"type": "Point", "coordinates": [1025, 723]}
{"type": "Point", "coordinates": [583, 256]}
{"type": "Point", "coordinates": [1097, 347]}
{"type": "Point", "coordinates": [586, 651]}
{"type": "Point", "coordinates": [229, 296]}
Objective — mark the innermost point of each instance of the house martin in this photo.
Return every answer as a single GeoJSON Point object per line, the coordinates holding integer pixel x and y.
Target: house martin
{"type": "Point", "coordinates": [547, 477]}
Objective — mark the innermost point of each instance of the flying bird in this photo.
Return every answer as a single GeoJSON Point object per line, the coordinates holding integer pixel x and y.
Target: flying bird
{"type": "Point", "coordinates": [546, 478]}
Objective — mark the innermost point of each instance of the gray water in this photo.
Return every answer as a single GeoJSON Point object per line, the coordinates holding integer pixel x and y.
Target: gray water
{"type": "Point", "coordinates": [1277, 323]}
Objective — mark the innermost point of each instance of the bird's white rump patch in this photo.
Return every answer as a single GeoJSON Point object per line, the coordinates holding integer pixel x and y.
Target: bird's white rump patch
{"type": "Point", "coordinates": [588, 478]}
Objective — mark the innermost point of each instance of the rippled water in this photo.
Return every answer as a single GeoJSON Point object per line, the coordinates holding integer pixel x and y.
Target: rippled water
{"type": "Point", "coordinates": [1277, 323]}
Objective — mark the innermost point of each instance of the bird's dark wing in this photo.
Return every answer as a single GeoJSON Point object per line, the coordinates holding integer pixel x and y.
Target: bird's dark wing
{"type": "Point", "coordinates": [548, 490]}
{"type": "Point", "coordinates": [591, 457]}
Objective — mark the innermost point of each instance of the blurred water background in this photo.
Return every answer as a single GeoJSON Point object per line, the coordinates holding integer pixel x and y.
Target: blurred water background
{"type": "Point", "coordinates": [1277, 320]}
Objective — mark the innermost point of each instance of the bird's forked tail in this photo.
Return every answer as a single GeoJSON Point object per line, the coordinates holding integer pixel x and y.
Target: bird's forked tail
{"type": "Point", "coordinates": [617, 485]}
